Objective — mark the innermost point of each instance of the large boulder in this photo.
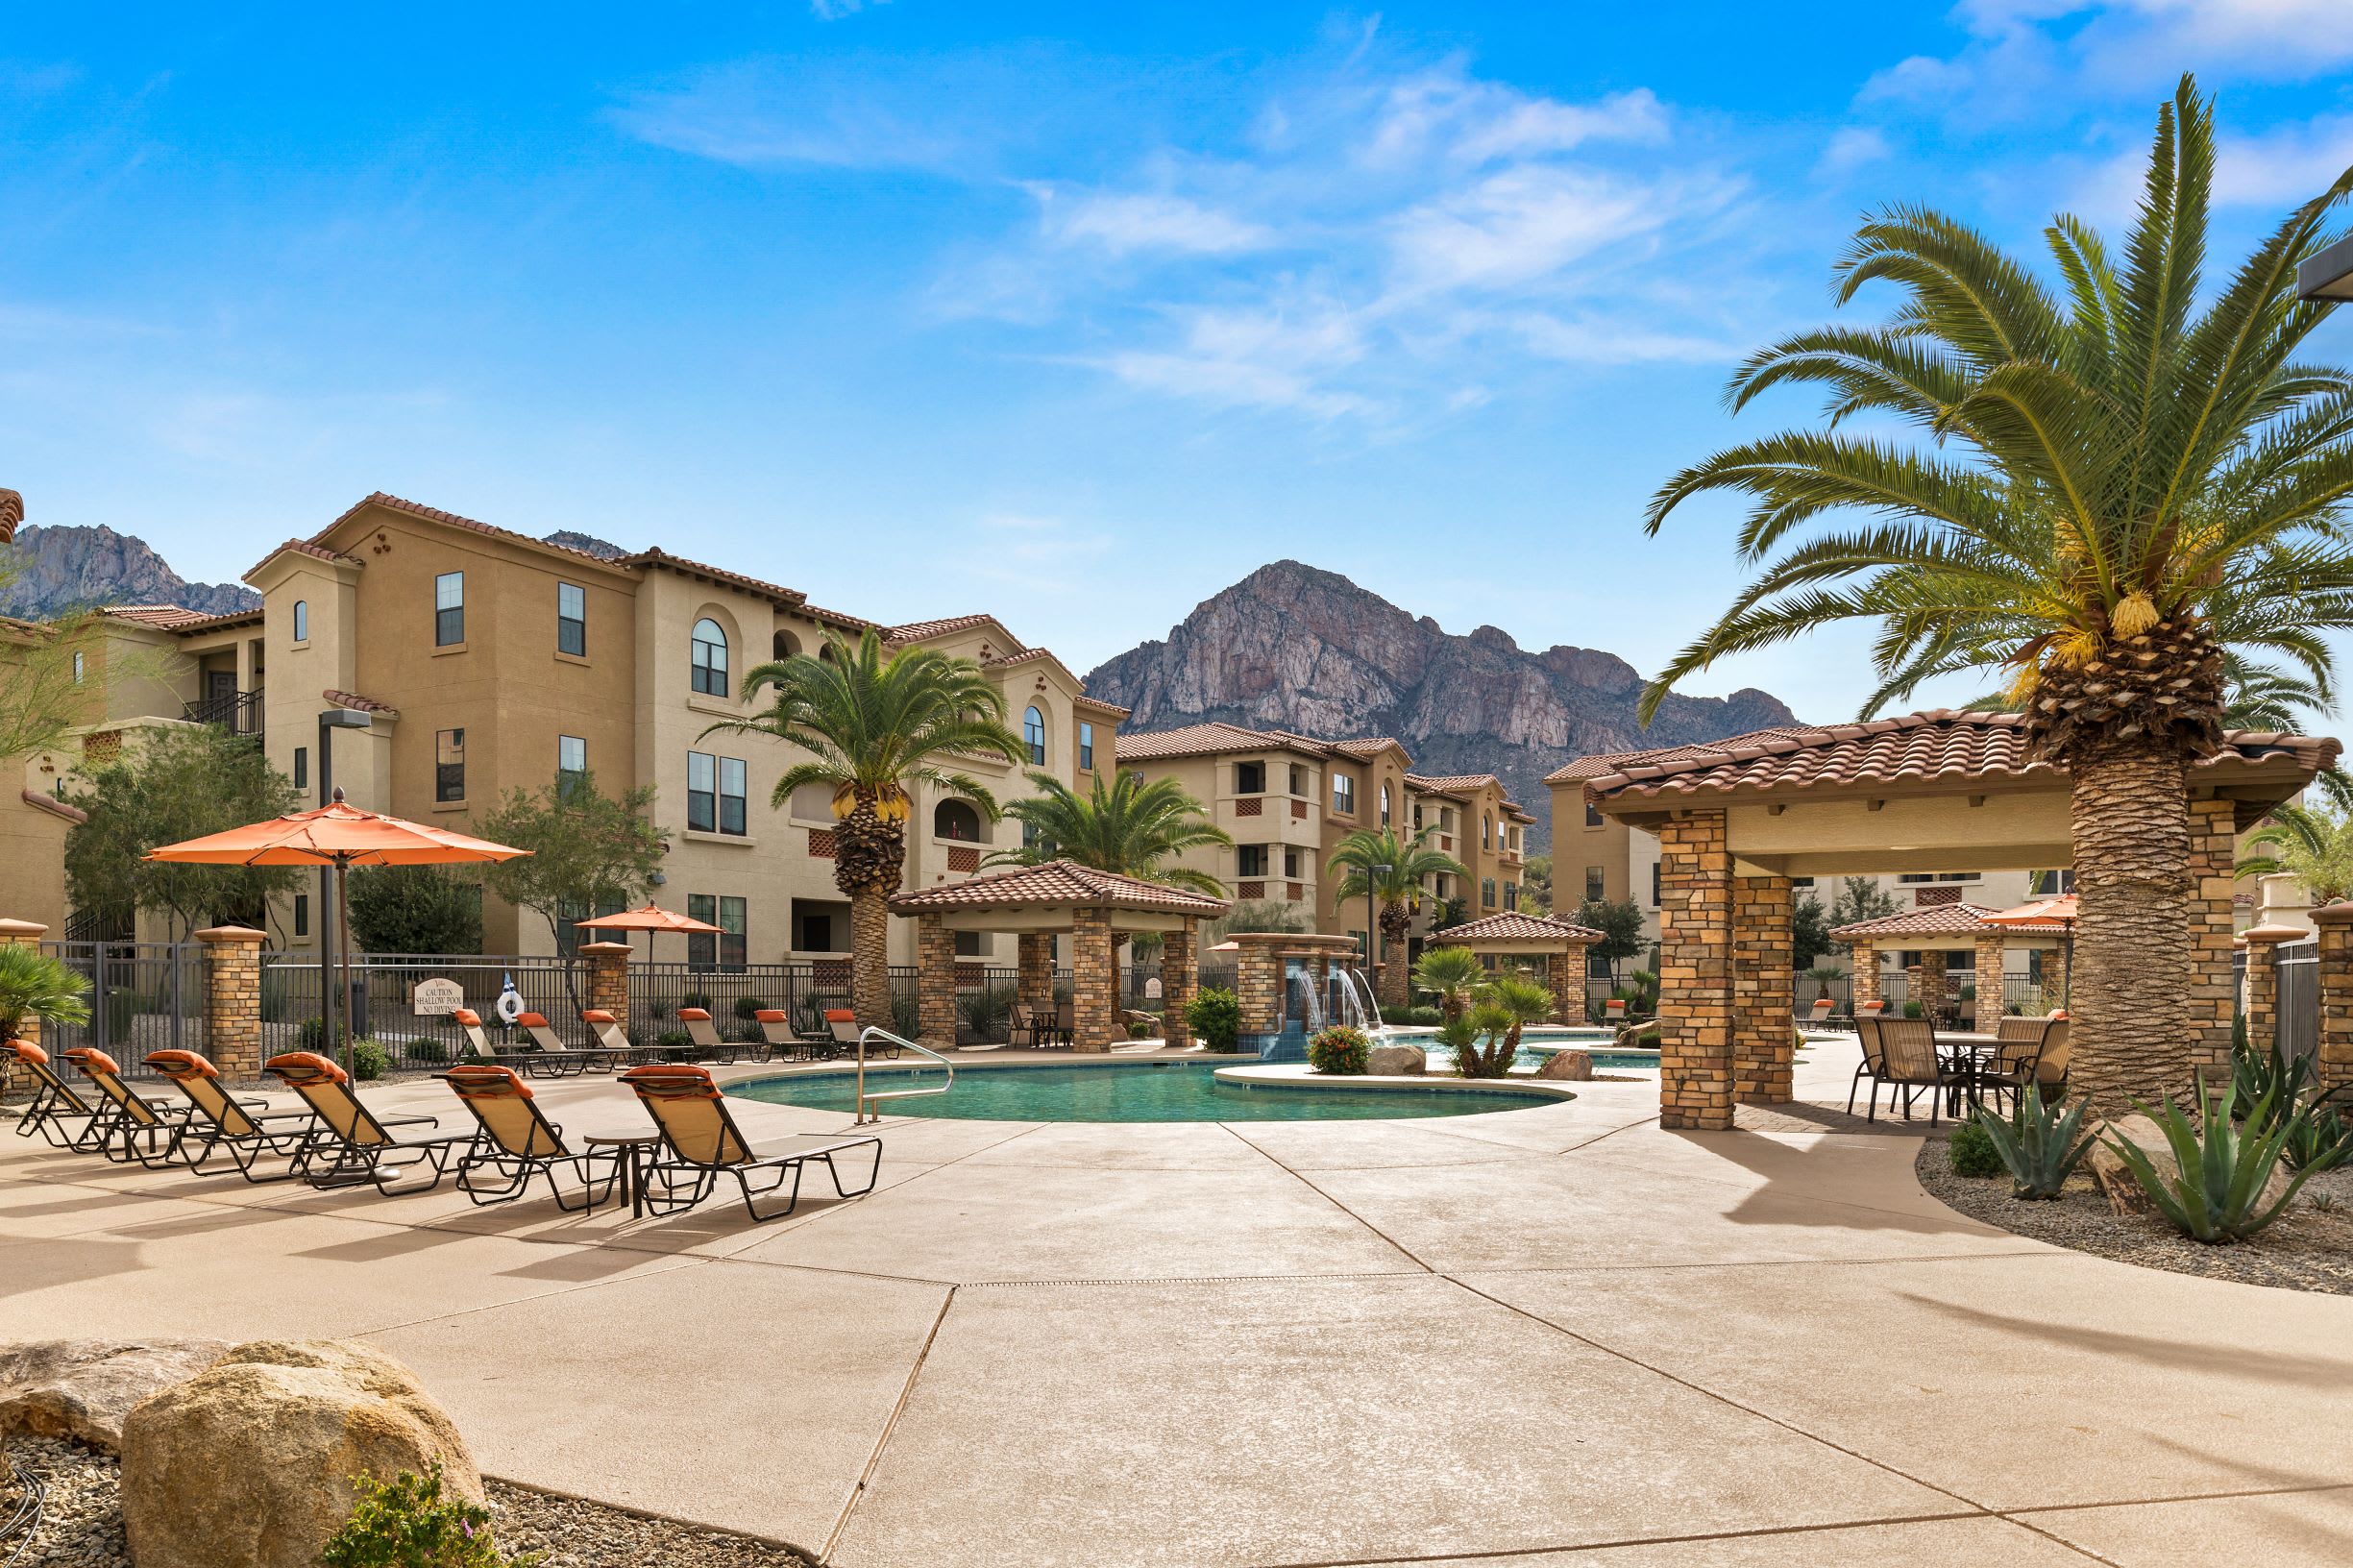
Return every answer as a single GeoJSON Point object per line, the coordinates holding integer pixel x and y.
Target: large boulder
{"type": "Point", "coordinates": [1396, 1061]}
{"type": "Point", "coordinates": [249, 1465]}
{"type": "Point", "coordinates": [1574, 1065]}
{"type": "Point", "coordinates": [82, 1388]}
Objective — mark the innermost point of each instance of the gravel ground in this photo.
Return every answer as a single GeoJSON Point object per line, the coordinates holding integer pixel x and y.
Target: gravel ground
{"type": "Point", "coordinates": [2304, 1249]}
{"type": "Point", "coordinates": [81, 1522]}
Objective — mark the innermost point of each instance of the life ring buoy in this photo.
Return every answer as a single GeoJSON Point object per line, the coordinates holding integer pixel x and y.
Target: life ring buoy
{"type": "Point", "coordinates": [508, 1007]}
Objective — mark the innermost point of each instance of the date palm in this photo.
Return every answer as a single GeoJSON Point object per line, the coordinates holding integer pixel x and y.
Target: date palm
{"type": "Point", "coordinates": [874, 728]}
{"type": "Point", "coordinates": [1390, 868]}
{"type": "Point", "coordinates": [2114, 488]}
{"type": "Point", "coordinates": [1128, 826]}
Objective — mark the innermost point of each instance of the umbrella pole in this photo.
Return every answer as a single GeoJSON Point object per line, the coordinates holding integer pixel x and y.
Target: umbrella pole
{"type": "Point", "coordinates": [343, 939]}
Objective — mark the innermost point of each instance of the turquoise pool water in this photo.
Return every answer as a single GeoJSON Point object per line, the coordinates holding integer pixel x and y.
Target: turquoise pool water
{"type": "Point", "coordinates": [1132, 1091]}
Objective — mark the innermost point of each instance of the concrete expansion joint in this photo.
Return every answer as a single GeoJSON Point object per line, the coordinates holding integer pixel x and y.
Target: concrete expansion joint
{"type": "Point", "coordinates": [1200, 1278]}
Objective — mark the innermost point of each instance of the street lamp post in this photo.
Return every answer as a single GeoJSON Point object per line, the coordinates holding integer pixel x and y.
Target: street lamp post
{"type": "Point", "coordinates": [331, 720]}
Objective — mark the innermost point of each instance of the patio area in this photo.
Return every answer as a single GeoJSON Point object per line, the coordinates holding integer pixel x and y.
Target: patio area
{"type": "Point", "coordinates": [1524, 1337]}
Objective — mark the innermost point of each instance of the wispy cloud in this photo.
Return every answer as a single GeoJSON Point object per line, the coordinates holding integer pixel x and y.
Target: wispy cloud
{"type": "Point", "coordinates": [1122, 223]}
{"type": "Point", "coordinates": [1851, 148]}
{"type": "Point", "coordinates": [756, 114]}
{"type": "Point", "coordinates": [833, 10]}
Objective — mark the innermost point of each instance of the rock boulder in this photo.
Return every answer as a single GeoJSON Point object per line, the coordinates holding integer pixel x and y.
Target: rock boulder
{"type": "Point", "coordinates": [249, 1464]}
{"type": "Point", "coordinates": [82, 1388]}
{"type": "Point", "coordinates": [1576, 1066]}
{"type": "Point", "coordinates": [1396, 1061]}
{"type": "Point", "coordinates": [2115, 1182]}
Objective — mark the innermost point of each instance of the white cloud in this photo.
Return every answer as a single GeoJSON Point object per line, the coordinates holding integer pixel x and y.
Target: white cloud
{"type": "Point", "coordinates": [1146, 221]}
{"type": "Point", "coordinates": [1851, 148]}
{"type": "Point", "coordinates": [2279, 170]}
{"type": "Point", "coordinates": [751, 116]}
{"type": "Point", "coordinates": [1523, 224]}
{"type": "Point", "coordinates": [833, 10]}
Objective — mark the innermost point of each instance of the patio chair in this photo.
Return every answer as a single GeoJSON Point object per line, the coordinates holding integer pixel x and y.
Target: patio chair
{"type": "Point", "coordinates": [701, 1142]}
{"type": "Point", "coordinates": [2050, 1068]}
{"type": "Point", "coordinates": [844, 1024]}
{"type": "Point", "coordinates": [547, 1051]}
{"type": "Point", "coordinates": [1872, 1067]}
{"type": "Point", "coordinates": [612, 1048]}
{"type": "Point", "coordinates": [364, 1147]}
{"type": "Point", "coordinates": [150, 1132]}
{"type": "Point", "coordinates": [708, 1045]}
{"type": "Point", "coordinates": [2018, 1052]}
{"type": "Point", "coordinates": [53, 1101]}
{"type": "Point", "coordinates": [1821, 1012]}
{"type": "Point", "coordinates": [1911, 1062]}
{"type": "Point", "coordinates": [221, 1121]}
{"type": "Point", "coordinates": [783, 1040]}
{"type": "Point", "coordinates": [529, 1055]}
{"type": "Point", "coordinates": [517, 1142]}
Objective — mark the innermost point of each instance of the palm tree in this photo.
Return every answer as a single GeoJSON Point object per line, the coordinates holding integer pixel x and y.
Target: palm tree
{"type": "Point", "coordinates": [2315, 842]}
{"type": "Point", "coordinates": [1500, 1011]}
{"type": "Point", "coordinates": [34, 986]}
{"type": "Point", "coordinates": [874, 728]}
{"type": "Point", "coordinates": [1128, 826]}
{"type": "Point", "coordinates": [2117, 488]}
{"type": "Point", "coordinates": [1453, 973]}
{"type": "Point", "coordinates": [1390, 868]}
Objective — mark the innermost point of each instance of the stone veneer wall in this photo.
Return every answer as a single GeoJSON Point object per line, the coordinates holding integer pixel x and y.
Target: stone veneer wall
{"type": "Point", "coordinates": [2334, 922]}
{"type": "Point", "coordinates": [232, 1001]}
{"type": "Point", "coordinates": [2263, 985]}
{"type": "Point", "coordinates": [1989, 970]}
{"type": "Point", "coordinates": [1257, 985]}
{"type": "Point", "coordinates": [1866, 978]}
{"type": "Point", "coordinates": [1180, 978]}
{"type": "Point", "coordinates": [1695, 973]}
{"type": "Point", "coordinates": [1933, 992]}
{"type": "Point", "coordinates": [1034, 980]}
{"type": "Point", "coordinates": [1764, 990]}
{"type": "Point", "coordinates": [608, 978]}
{"type": "Point", "coordinates": [935, 982]}
{"type": "Point", "coordinates": [1565, 974]}
{"type": "Point", "coordinates": [1094, 982]}
{"type": "Point", "coordinates": [2212, 853]}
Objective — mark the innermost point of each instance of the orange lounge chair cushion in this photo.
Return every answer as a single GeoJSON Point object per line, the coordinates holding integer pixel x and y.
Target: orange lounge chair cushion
{"type": "Point", "coordinates": [468, 1016]}
{"type": "Point", "coordinates": [487, 1080]}
{"type": "Point", "coordinates": [771, 1014]}
{"type": "Point", "coordinates": [306, 1066]}
{"type": "Point", "coordinates": [92, 1061]}
{"type": "Point", "coordinates": [533, 1020]}
{"type": "Point", "coordinates": [839, 1014]}
{"type": "Point", "coordinates": [595, 1015]}
{"type": "Point", "coordinates": [27, 1052]}
{"type": "Point", "coordinates": [671, 1080]}
{"type": "Point", "coordinates": [694, 1015]}
{"type": "Point", "coordinates": [182, 1065]}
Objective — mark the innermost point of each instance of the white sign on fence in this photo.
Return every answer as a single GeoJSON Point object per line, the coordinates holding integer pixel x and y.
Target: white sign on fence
{"type": "Point", "coordinates": [438, 997]}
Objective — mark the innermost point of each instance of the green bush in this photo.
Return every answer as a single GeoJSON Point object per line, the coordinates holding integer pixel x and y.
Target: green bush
{"type": "Point", "coordinates": [2215, 1190]}
{"type": "Point", "coordinates": [1913, 1010]}
{"type": "Point", "coordinates": [1216, 1018]}
{"type": "Point", "coordinates": [1139, 1029]}
{"type": "Point", "coordinates": [310, 1034]}
{"type": "Point", "coordinates": [1339, 1049]}
{"type": "Point", "coordinates": [747, 1008]}
{"type": "Point", "coordinates": [1972, 1153]}
{"type": "Point", "coordinates": [985, 1011]}
{"type": "Point", "coordinates": [429, 1053]}
{"type": "Point", "coordinates": [696, 999]}
{"type": "Point", "coordinates": [409, 1522]}
{"type": "Point", "coordinates": [2317, 1140]}
{"type": "Point", "coordinates": [673, 1040]}
{"type": "Point", "coordinates": [369, 1061]}
{"type": "Point", "coordinates": [1424, 1018]}
{"type": "Point", "coordinates": [905, 1016]}
{"type": "Point", "coordinates": [2037, 1143]}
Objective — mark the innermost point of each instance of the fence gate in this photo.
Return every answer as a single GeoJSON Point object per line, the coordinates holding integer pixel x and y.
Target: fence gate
{"type": "Point", "coordinates": [2299, 997]}
{"type": "Point", "coordinates": [144, 996]}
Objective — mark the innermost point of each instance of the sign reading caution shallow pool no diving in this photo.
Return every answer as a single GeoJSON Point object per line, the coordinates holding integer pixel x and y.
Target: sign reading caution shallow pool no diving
{"type": "Point", "coordinates": [438, 997]}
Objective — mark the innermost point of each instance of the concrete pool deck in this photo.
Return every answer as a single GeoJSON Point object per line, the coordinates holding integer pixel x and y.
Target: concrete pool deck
{"type": "Point", "coordinates": [1553, 1335]}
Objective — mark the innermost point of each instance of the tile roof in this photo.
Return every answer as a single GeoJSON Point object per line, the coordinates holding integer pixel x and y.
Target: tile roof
{"type": "Point", "coordinates": [918, 630]}
{"type": "Point", "coordinates": [1096, 704]}
{"type": "Point", "coordinates": [162, 617]}
{"type": "Point", "coordinates": [791, 599]}
{"type": "Point", "coordinates": [1915, 748]}
{"type": "Point", "coordinates": [214, 623]}
{"type": "Point", "coordinates": [1372, 747]}
{"type": "Point", "coordinates": [1515, 926]}
{"type": "Point", "coordinates": [54, 807]}
{"type": "Point", "coordinates": [1211, 738]}
{"type": "Point", "coordinates": [1057, 882]}
{"type": "Point", "coordinates": [1451, 783]}
{"type": "Point", "coordinates": [365, 704]}
{"type": "Point", "coordinates": [1955, 920]}
{"type": "Point", "coordinates": [1606, 762]}
{"type": "Point", "coordinates": [304, 547]}
{"type": "Point", "coordinates": [436, 514]}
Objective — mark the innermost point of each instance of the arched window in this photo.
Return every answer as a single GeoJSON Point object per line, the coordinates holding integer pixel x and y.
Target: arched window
{"type": "Point", "coordinates": [1487, 831]}
{"type": "Point", "coordinates": [302, 620]}
{"type": "Point", "coordinates": [955, 819]}
{"type": "Point", "coordinates": [709, 675]}
{"type": "Point", "coordinates": [1385, 805]}
{"type": "Point", "coordinates": [1032, 735]}
{"type": "Point", "coordinates": [785, 646]}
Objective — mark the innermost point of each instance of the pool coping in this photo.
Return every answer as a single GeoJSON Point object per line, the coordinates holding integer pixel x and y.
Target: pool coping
{"type": "Point", "coordinates": [1299, 1075]}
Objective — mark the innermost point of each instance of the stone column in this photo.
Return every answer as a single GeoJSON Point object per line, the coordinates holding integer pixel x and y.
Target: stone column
{"type": "Point", "coordinates": [608, 978]}
{"type": "Point", "coordinates": [2214, 837]}
{"type": "Point", "coordinates": [1034, 980]}
{"type": "Point", "coordinates": [1565, 974]}
{"type": "Point", "coordinates": [1929, 990]}
{"type": "Point", "coordinates": [935, 983]}
{"type": "Point", "coordinates": [1764, 990]}
{"type": "Point", "coordinates": [2334, 925]}
{"type": "Point", "coordinates": [232, 1001]}
{"type": "Point", "coordinates": [1180, 978]}
{"type": "Point", "coordinates": [1094, 981]}
{"type": "Point", "coordinates": [1258, 986]}
{"type": "Point", "coordinates": [2262, 982]}
{"type": "Point", "coordinates": [1863, 986]}
{"type": "Point", "coordinates": [1991, 947]}
{"type": "Point", "coordinates": [1695, 973]}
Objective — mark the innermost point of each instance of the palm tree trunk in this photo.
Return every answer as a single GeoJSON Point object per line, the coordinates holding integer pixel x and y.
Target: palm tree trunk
{"type": "Point", "coordinates": [869, 959]}
{"type": "Point", "coordinates": [2132, 989]}
{"type": "Point", "coordinates": [1396, 927]}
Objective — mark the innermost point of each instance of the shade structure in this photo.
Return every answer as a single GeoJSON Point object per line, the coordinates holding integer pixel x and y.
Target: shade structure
{"type": "Point", "coordinates": [649, 918]}
{"type": "Point", "coordinates": [342, 835]}
{"type": "Point", "coordinates": [2059, 911]}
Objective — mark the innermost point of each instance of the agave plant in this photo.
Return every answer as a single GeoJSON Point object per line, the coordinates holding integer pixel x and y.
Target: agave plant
{"type": "Point", "coordinates": [2317, 1140]}
{"type": "Point", "coordinates": [2040, 1144]}
{"type": "Point", "coordinates": [2273, 1077]}
{"type": "Point", "coordinates": [2217, 1190]}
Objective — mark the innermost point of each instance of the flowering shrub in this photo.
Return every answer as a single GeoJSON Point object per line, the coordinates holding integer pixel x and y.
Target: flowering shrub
{"type": "Point", "coordinates": [1338, 1049]}
{"type": "Point", "coordinates": [408, 1522]}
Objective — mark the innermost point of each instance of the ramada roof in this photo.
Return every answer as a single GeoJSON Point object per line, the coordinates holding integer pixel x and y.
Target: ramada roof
{"type": "Point", "coordinates": [177, 619]}
{"type": "Point", "coordinates": [1059, 882]}
{"type": "Point", "coordinates": [1514, 926]}
{"type": "Point", "coordinates": [1955, 920]}
{"type": "Point", "coordinates": [1607, 762]}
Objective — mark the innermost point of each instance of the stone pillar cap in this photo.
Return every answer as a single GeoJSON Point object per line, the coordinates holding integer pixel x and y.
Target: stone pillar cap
{"type": "Point", "coordinates": [2285, 933]}
{"type": "Point", "coordinates": [233, 934]}
{"type": "Point", "coordinates": [2337, 914]}
{"type": "Point", "coordinates": [588, 947]}
{"type": "Point", "coordinates": [22, 928]}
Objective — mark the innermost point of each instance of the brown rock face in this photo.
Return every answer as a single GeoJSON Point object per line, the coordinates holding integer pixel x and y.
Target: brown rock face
{"type": "Point", "coordinates": [1293, 648]}
{"type": "Point", "coordinates": [69, 568]}
{"type": "Point", "coordinates": [1396, 1061]}
{"type": "Point", "coordinates": [249, 1465]}
{"type": "Point", "coordinates": [82, 1388]}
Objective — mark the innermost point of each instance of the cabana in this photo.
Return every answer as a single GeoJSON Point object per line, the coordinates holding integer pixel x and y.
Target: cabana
{"type": "Point", "coordinates": [1935, 932]}
{"type": "Point", "coordinates": [1560, 943]}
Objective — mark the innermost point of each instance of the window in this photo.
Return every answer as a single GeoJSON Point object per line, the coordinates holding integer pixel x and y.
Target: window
{"type": "Point", "coordinates": [1249, 778]}
{"type": "Point", "coordinates": [571, 762]}
{"type": "Point", "coordinates": [450, 765]}
{"type": "Point", "coordinates": [714, 788]}
{"type": "Point", "coordinates": [725, 948]}
{"type": "Point", "coordinates": [1290, 862]}
{"type": "Point", "coordinates": [955, 819]}
{"type": "Point", "coordinates": [302, 620]}
{"type": "Point", "coordinates": [709, 673]}
{"type": "Point", "coordinates": [1417, 816]}
{"type": "Point", "coordinates": [1593, 815]}
{"type": "Point", "coordinates": [1250, 860]}
{"type": "Point", "coordinates": [1299, 779]}
{"type": "Point", "coordinates": [971, 943]}
{"type": "Point", "coordinates": [1487, 892]}
{"type": "Point", "coordinates": [1031, 837]}
{"type": "Point", "coordinates": [301, 914]}
{"type": "Point", "coordinates": [1086, 746]}
{"type": "Point", "coordinates": [1344, 793]}
{"type": "Point", "coordinates": [1385, 805]}
{"type": "Point", "coordinates": [784, 646]}
{"type": "Point", "coordinates": [816, 934]}
{"type": "Point", "coordinates": [571, 620]}
{"type": "Point", "coordinates": [1487, 831]}
{"type": "Point", "coordinates": [1655, 880]}
{"type": "Point", "coordinates": [1937, 876]}
{"type": "Point", "coordinates": [1512, 895]}
{"type": "Point", "coordinates": [302, 766]}
{"type": "Point", "coordinates": [1033, 736]}
{"type": "Point", "coordinates": [731, 795]}
{"type": "Point", "coordinates": [2050, 884]}
{"type": "Point", "coordinates": [449, 609]}
{"type": "Point", "coordinates": [1800, 881]}
{"type": "Point", "coordinates": [1594, 884]}
{"type": "Point", "coordinates": [77, 667]}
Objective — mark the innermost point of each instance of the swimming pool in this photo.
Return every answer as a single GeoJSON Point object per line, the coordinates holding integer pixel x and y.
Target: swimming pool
{"type": "Point", "coordinates": [1130, 1091]}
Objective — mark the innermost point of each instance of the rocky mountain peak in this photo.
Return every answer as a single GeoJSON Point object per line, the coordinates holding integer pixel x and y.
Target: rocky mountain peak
{"type": "Point", "coordinates": [60, 569]}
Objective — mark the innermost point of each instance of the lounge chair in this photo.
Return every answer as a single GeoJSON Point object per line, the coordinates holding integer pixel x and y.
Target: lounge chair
{"type": "Point", "coordinates": [844, 1024]}
{"type": "Point", "coordinates": [700, 1142]}
{"type": "Point", "coordinates": [1821, 1014]}
{"type": "Point", "coordinates": [547, 1051]}
{"type": "Point", "coordinates": [363, 1144]}
{"type": "Point", "coordinates": [53, 1101]}
{"type": "Point", "coordinates": [529, 1056]}
{"type": "Point", "coordinates": [220, 1121]}
{"type": "Point", "coordinates": [517, 1143]}
{"type": "Point", "coordinates": [782, 1039]}
{"type": "Point", "coordinates": [1872, 1067]}
{"type": "Point", "coordinates": [708, 1045]}
{"type": "Point", "coordinates": [150, 1132]}
{"type": "Point", "coordinates": [1912, 1061]}
{"type": "Point", "coordinates": [612, 1048]}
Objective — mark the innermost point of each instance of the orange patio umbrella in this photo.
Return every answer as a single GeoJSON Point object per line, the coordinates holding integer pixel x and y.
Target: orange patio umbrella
{"type": "Point", "coordinates": [341, 836]}
{"type": "Point", "coordinates": [2059, 911]}
{"type": "Point", "coordinates": [649, 918]}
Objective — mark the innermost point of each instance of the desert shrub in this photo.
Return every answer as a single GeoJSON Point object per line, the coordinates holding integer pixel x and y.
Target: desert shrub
{"type": "Point", "coordinates": [697, 998]}
{"type": "Point", "coordinates": [673, 1040]}
{"type": "Point", "coordinates": [1413, 1016]}
{"type": "Point", "coordinates": [1216, 1018]}
{"type": "Point", "coordinates": [747, 1008]}
{"type": "Point", "coordinates": [1338, 1049]}
{"type": "Point", "coordinates": [431, 1053]}
{"type": "Point", "coordinates": [1972, 1153]}
{"type": "Point", "coordinates": [310, 1034]}
{"type": "Point", "coordinates": [985, 1011]}
{"type": "Point", "coordinates": [2216, 1191]}
{"type": "Point", "coordinates": [1142, 1029]}
{"type": "Point", "coordinates": [410, 1522]}
{"type": "Point", "coordinates": [1914, 1010]}
{"type": "Point", "coordinates": [369, 1061]}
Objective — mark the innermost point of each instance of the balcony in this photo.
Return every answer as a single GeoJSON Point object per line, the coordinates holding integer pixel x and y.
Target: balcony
{"type": "Point", "coordinates": [240, 713]}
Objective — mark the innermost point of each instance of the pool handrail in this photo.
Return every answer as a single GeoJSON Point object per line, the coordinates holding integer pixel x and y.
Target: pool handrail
{"type": "Point", "coordinates": [876, 1031]}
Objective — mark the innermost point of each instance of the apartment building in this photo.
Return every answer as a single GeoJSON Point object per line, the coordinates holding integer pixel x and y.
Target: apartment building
{"type": "Point", "coordinates": [1481, 826]}
{"type": "Point", "coordinates": [487, 661]}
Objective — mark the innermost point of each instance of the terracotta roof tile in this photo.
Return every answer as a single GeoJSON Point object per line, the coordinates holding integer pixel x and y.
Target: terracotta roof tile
{"type": "Point", "coordinates": [1451, 783]}
{"type": "Point", "coordinates": [792, 598]}
{"type": "Point", "coordinates": [1212, 739]}
{"type": "Point", "coordinates": [436, 514]}
{"type": "Point", "coordinates": [1515, 926]}
{"type": "Point", "coordinates": [304, 547]}
{"type": "Point", "coordinates": [365, 704]}
{"type": "Point", "coordinates": [162, 617]}
{"type": "Point", "coordinates": [1372, 747]}
{"type": "Point", "coordinates": [1095, 704]}
{"type": "Point", "coordinates": [918, 630]}
{"type": "Point", "coordinates": [1057, 882]}
{"type": "Point", "coordinates": [1955, 920]}
{"type": "Point", "coordinates": [1606, 762]}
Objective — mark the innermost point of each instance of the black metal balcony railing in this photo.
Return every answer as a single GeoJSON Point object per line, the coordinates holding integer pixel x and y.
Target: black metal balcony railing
{"type": "Point", "coordinates": [237, 712]}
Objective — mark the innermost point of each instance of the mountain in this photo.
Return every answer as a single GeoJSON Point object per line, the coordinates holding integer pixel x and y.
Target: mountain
{"type": "Point", "coordinates": [65, 568]}
{"type": "Point", "coordinates": [1292, 646]}
{"type": "Point", "coordinates": [586, 543]}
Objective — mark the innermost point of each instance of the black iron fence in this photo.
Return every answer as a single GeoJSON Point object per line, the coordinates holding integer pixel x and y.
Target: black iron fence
{"type": "Point", "coordinates": [144, 996]}
{"type": "Point", "coordinates": [2299, 997]}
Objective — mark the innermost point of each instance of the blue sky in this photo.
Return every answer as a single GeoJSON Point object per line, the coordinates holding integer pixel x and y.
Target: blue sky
{"type": "Point", "coordinates": [1076, 313]}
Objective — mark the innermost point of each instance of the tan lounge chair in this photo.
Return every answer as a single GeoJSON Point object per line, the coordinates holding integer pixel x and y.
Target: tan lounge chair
{"type": "Point", "coordinates": [843, 1025]}
{"type": "Point", "coordinates": [783, 1042]}
{"type": "Point", "coordinates": [612, 1047]}
{"type": "Point", "coordinates": [363, 1146]}
{"type": "Point", "coordinates": [53, 1101]}
{"type": "Point", "coordinates": [518, 1141]}
{"type": "Point", "coordinates": [700, 1142]}
{"type": "Point", "coordinates": [705, 1034]}
{"type": "Point", "coordinates": [220, 1121]}
{"type": "Point", "coordinates": [149, 1133]}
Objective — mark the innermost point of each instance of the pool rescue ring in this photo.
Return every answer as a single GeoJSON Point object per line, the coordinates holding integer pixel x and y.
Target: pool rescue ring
{"type": "Point", "coordinates": [509, 1005]}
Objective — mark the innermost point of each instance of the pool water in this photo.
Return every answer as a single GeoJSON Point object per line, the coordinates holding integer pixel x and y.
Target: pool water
{"type": "Point", "coordinates": [1132, 1091]}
